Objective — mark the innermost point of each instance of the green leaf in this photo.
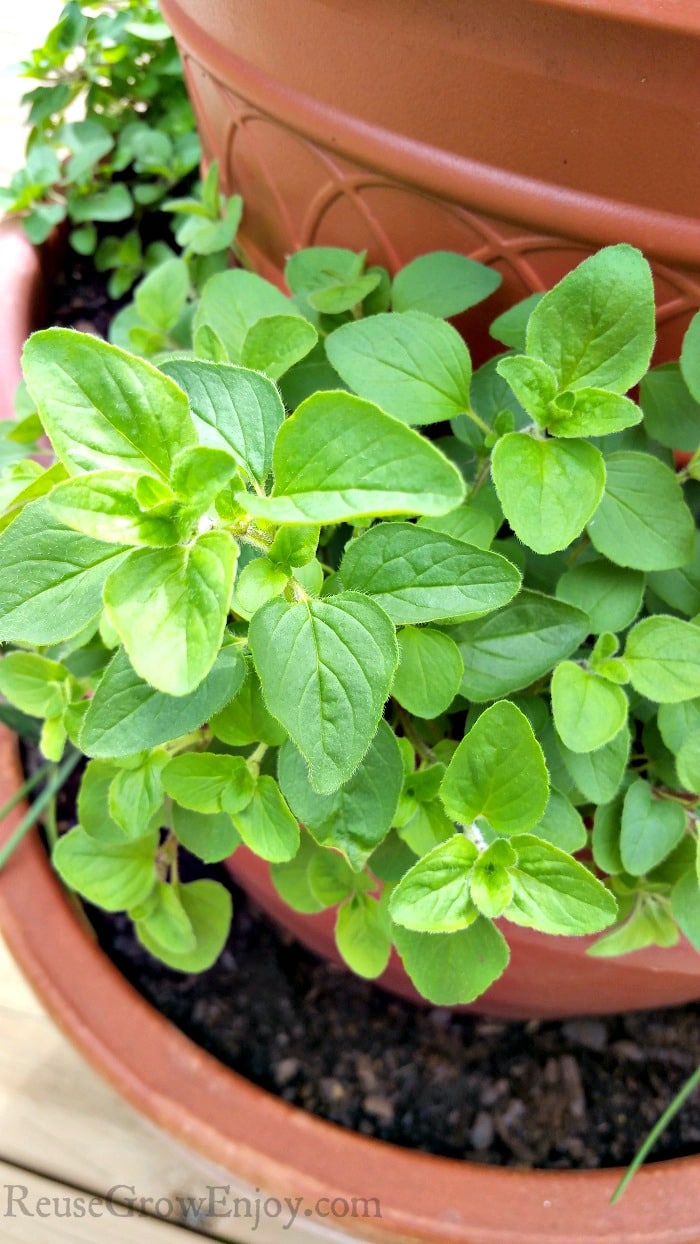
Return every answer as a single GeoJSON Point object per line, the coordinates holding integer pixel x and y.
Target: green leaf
{"type": "Point", "coordinates": [510, 328]}
{"type": "Point", "coordinates": [105, 505]}
{"type": "Point", "coordinates": [112, 875]}
{"type": "Point", "coordinates": [414, 366]}
{"type": "Point", "coordinates": [497, 772]}
{"type": "Point", "coordinates": [166, 920]}
{"type": "Point", "coordinates": [453, 968]}
{"type": "Point", "coordinates": [322, 267]}
{"type": "Point", "coordinates": [326, 668]}
{"type": "Point", "coordinates": [126, 713]}
{"type": "Point", "coordinates": [112, 204]}
{"type": "Point", "coordinates": [266, 824]}
{"type": "Point", "coordinates": [323, 472]}
{"type": "Point", "coordinates": [257, 583]}
{"type": "Point", "coordinates": [596, 327]}
{"type": "Point", "coordinates": [232, 302]}
{"type": "Point", "coordinates": [490, 885]}
{"type": "Point", "coordinates": [685, 907]}
{"type": "Point", "coordinates": [548, 489]}
{"type": "Point", "coordinates": [291, 880]}
{"type": "Point", "coordinates": [443, 284]}
{"type": "Point", "coordinates": [169, 609]}
{"type": "Point", "coordinates": [357, 817]}
{"type": "Point", "coordinates": [335, 299]}
{"type": "Point", "coordinates": [642, 520]}
{"type": "Point", "coordinates": [610, 595]}
{"type": "Point", "coordinates": [245, 719]}
{"type": "Point", "coordinates": [433, 896]}
{"type": "Point", "coordinates": [275, 343]}
{"type": "Point", "coordinates": [51, 578]}
{"type": "Point", "coordinates": [690, 358]}
{"type": "Point", "coordinates": [33, 684]}
{"type": "Point", "coordinates": [200, 473]}
{"type": "Point", "coordinates": [93, 803]}
{"type": "Point", "coordinates": [294, 546]}
{"type": "Point", "coordinates": [331, 878]}
{"type": "Point", "coordinates": [363, 935]}
{"type": "Point", "coordinates": [592, 412]}
{"type": "Point", "coordinates": [102, 407]}
{"type": "Point", "coordinates": [677, 721]}
{"type": "Point", "coordinates": [233, 409]}
{"type": "Point", "coordinates": [533, 383]}
{"type": "Point", "coordinates": [651, 828]}
{"type": "Point", "coordinates": [663, 657]}
{"type": "Point", "coordinates": [688, 763]}
{"type": "Point", "coordinates": [207, 906]}
{"type": "Point", "coordinates": [598, 774]}
{"type": "Point", "coordinates": [605, 838]}
{"type": "Point", "coordinates": [680, 588]}
{"type": "Point", "coordinates": [671, 414]}
{"type": "Point", "coordinates": [429, 673]}
{"type": "Point", "coordinates": [517, 645]}
{"type": "Point", "coordinates": [210, 836]}
{"type": "Point", "coordinates": [649, 925]}
{"type": "Point", "coordinates": [38, 487]}
{"type": "Point", "coordinates": [588, 710]}
{"type": "Point", "coordinates": [419, 575]}
{"type": "Point", "coordinates": [561, 824]}
{"type": "Point", "coordinates": [556, 894]}
{"type": "Point", "coordinates": [136, 794]}
{"type": "Point", "coordinates": [161, 296]}
{"type": "Point", "coordinates": [466, 523]}
{"type": "Point", "coordinates": [208, 783]}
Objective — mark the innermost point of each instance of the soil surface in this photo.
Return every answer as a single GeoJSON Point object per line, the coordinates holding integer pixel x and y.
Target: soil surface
{"type": "Point", "coordinates": [580, 1093]}
{"type": "Point", "coordinates": [577, 1094]}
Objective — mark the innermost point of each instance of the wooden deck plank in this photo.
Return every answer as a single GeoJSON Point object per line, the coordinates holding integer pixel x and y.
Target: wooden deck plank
{"type": "Point", "coordinates": [37, 1210]}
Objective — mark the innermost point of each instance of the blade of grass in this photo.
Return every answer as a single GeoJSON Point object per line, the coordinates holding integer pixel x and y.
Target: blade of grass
{"type": "Point", "coordinates": [54, 784]}
{"type": "Point", "coordinates": [681, 1097]}
{"type": "Point", "coordinates": [25, 789]}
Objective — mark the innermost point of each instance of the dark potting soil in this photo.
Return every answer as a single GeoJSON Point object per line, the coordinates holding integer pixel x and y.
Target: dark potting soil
{"type": "Point", "coordinates": [580, 1093]}
{"type": "Point", "coordinates": [575, 1094]}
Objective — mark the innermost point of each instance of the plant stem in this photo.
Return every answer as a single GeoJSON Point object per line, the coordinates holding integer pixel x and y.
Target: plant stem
{"type": "Point", "coordinates": [681, 1097]}
{"type": "Point", "coordinates": [60, 775]}
{"type": "Point", "coordinates": [480, 423]}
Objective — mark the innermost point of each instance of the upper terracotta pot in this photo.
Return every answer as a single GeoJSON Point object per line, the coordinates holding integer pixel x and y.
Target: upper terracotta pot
{"type": "Point", "coordinates": [524, 133]}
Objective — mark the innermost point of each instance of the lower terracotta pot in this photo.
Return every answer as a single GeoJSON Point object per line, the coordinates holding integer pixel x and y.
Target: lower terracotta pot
{"type": "Point", "coordinates": [279, 1149]}
{"type": "Point", "coordinates": [547, 977]}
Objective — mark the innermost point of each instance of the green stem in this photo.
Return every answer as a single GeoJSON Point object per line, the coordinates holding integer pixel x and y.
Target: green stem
{"type": "Point", "coordinates": [480, 423]}
{"type": "Point", "coordinates": [660, 1125]}
{"type": "Point", "coordinates": [25, 789]}
{"type": "Point", "coordinates": [28, 821]}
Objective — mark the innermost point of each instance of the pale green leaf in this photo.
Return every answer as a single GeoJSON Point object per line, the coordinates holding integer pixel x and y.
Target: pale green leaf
{"type": "Point", "coordinates": [588, 710]}
{"type": "Point", "coordinates": [326, 668]}
{"type": "Point", "coordinates": [104, 408]}
{"type": "Point", "coordinates": [266, 824]}
{"type": "Point", "coordinates": [363, 935]}
{"type": "Point", "coordinates": [453, 968]}
{"type": "Point", "coordinates": [556, 894]}
{"type": "Point", "coordinates": [443, 283]}
{"type": "Point", "coordinates": [429, 673]}
{"type": "Point", "coordinates": [498, 772]}
{"type": "Point", "coordinates": [651, 828]}
{"type": "Point", "coordinates": [642, 520]}
{"type": "Point", "coordinates": [414, 366]}
{"type": "Point", "coordinates": [663, 657]}
{"type": "Point", "coordinates": [169, 609]}
{"type": "Point", "coordinates": [549, 489]}
{"type": "Point", "coordinates": [419, 575]}
{"type": "Point", "coordinates": [324, 471]}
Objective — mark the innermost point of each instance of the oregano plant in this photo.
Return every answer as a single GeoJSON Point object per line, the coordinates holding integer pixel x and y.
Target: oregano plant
{"type": "Point", "coordinates": [423, 637]}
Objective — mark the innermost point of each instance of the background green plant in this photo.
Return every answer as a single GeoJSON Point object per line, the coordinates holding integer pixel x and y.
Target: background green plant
{"type": "Point", "coordinates": [115, 67]}
{"type": "Point", "coordinates": [417, 674]}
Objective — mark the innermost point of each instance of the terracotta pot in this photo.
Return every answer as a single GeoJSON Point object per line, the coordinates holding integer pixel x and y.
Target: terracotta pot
{"type": "Point", "coordinates": [524, 133]}
{"type": "Point", "coordinates": [547, 977]}
{"type": "Point", "coordinates": [276, 1148]}
{"type": "Point", "coordinates": [280, 1149]}
{"type": "Point", "coordinates": [21, 269]}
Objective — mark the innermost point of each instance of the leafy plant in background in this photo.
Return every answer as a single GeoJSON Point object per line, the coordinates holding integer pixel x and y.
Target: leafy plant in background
{"type": "Point", "coordinates": [418, 676]}
{"type": "Point", "coordinates": [111, 134]}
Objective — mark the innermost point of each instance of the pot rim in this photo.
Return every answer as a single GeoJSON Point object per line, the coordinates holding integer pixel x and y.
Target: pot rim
{"type": "Point", "coordinates": [279, 1147]}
